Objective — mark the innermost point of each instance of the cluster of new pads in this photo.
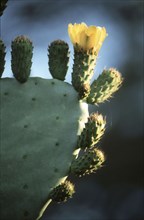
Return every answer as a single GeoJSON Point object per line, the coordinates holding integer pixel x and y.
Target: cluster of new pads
{"type": "Point", "coordinates": [46, 130]}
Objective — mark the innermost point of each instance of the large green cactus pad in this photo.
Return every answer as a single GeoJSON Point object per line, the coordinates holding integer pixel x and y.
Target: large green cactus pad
{"type": "Point", "coordinates": [40, 121]}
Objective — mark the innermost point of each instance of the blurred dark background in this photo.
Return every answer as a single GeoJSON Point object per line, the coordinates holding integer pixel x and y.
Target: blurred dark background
{"type": "Point", "coordinates": [116, 192]}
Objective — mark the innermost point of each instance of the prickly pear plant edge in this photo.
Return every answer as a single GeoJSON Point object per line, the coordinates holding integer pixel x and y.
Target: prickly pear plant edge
{"type": "Point", "coordinates": [45, 123]}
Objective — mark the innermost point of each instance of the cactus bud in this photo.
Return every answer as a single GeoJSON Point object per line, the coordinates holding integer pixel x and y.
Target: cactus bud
{"type": "Point", "coordinates": [107, 83]}
{"type": "Point", "coordinates": [93, 131]}
{"type": "Point", "coordinates": [21, 58]}
{"type": "Point", "coordinates": [87, 163]}
{"type": "Point", "coordinates": [3, 5]}
{"type": "Point", "coordinates": [2, 57]}
{"type": "Point", "coordinates": [62, 192]}
{"type": "Point", "coordinates": [58, 59]}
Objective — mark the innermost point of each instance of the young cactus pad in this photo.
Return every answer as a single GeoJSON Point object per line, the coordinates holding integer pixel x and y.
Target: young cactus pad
{"type": "Point", "coordinates": [45, 123]}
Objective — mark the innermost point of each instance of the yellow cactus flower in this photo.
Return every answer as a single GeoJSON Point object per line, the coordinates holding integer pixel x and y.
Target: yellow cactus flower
{"type": "Point", "coordinates": [87, 37]}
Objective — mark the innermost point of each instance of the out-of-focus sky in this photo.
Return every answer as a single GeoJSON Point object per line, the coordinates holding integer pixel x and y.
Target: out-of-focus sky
{"type": "Point", "coordinates": [46, 20]}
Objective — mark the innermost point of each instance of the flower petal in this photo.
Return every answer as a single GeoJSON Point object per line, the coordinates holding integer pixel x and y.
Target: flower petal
{"type": "Point", "coordinates": [83, 38]}
{"type": "Point", "coordinates": [91, 30]}
{"type": "Point", "coordinates": [71, 33]}
{"type": "Point", "coordinates": [91, 41]}
{"type": "Point", "coordinates": [87, 37]}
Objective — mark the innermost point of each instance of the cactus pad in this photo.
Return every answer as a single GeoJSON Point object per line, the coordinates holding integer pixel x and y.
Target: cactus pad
{"type": "Point", "coordinates": [21, 58]}
{"type": "Point", "coordinates": [40, 121]}
{"type": "Point", "coordinates": [88, 163]}
{"type": "Point", "coordinates": [58, 59]}
{"type": "Point", "coordinates": [62, 192]}
{"type": "Point", "coordinates": [104, 86]}
{"type": "Point", "coordinates": [93, 131]}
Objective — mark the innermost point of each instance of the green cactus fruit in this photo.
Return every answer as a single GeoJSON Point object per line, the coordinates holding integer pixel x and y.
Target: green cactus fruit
{"type": "Point", "coordinates": [93, 131]}
{"type": "Point", "coordinates": [3, 5]}
{"type": "Point", "coordinates": [21, 58]}
{"type": "Point", "coordinates": [62, 192]}
{"type": "Point", "coordinates": [107, 83]}
{"type": "Point", "coordinates": [2, 57]}
{"type": "Point", "coordinates": [58, 59]}
{"type": "Point", "coordinates": [40, 122]}
{"type": "Point", "coordinates": [87, 163]}
{"type": "Point", "coordinates": [83, 70]}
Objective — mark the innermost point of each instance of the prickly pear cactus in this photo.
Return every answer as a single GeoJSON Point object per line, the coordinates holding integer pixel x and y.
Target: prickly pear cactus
{"type": "Point", "coordinates": [46, 130]}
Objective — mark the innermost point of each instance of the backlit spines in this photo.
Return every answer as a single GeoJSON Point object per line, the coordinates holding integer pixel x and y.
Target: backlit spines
{"type": "Point", "coordinates": [105, 86]}
{"type": "Point", "coordinates": [93, 131]}
{"type": "Point", "coordinates": [88, 163]}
